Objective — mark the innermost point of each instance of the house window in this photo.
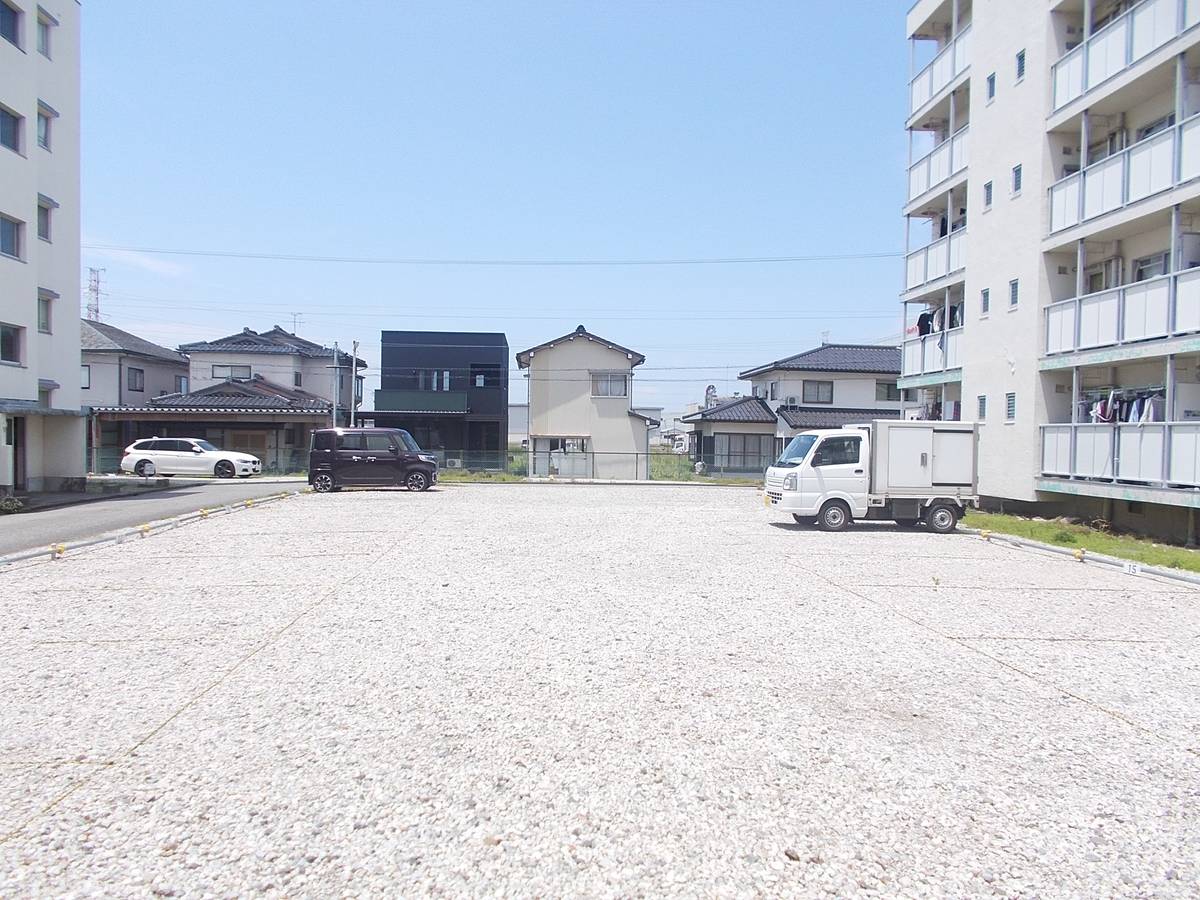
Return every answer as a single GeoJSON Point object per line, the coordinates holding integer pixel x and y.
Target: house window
{"type": "Point", "coordinates": [1014, 291]}
{"type": "Point", "coordinates": [181, 384]}
{"type": "Point", "coordinates": [44, 118]}
{"type": "Point", "coordinates": [982, 414]}
{"type": "Point", "coordinates": [1010, 407]}
{"type": "Point", "coordinates": [817, 392]}
{"type": "Point", "coordinates": [987, 195]}
{"type": "Point", "coordinates": [227, 372]}
{"type": "Point", "coordinates": [85, 377]}
{"type": "Point", "coordinates": [1016, 179]}
{"type": "Point", "coordinates": [774, 390]}
{"type": "Point", "coordinates": [10, 130]}
{"type": "Point", "coordinates": [10, 23]}
{"type": "Point", "coordinates": [43, 309]}
{"type": "Point", "coordinates": [610, 384]}
{"type": "Point", "coordinates": [45, 205]}
{"type": "Point", "coordinates": [1020, 64]}
{"type": "Point", "coordinates": [433, 380]}
{"type": "Point", "coordinates": [985, 301]}
{"type": "Point", "coordinates": [135, 379]}
{"type": "Point", "coordinates": [10, 344]}
{"type": "Point", "coordinates": [44, 398]}
{"type": "Point", "coordinates": [44, 24]}
{"type": "Point", "coordinates": [483, 376]}
{"type": "Point", "coordinates": [10, 237]}
{"type": "Point", "coordinates": [991, 86]}
{"type": "Point", "coordinates": [297, 380]}
{"type": "Point", "coordinates": [886, 392]}
{"type": "Point", "coordinates": [743, 452]}
{"type": "Point", "coordinates": [1151, 266]}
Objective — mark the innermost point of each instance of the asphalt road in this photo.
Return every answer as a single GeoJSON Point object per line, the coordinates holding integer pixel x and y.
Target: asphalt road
{"type": "Point", "coordinates": [84, 520]}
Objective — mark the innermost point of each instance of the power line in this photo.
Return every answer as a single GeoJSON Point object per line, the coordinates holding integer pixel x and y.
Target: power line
{"type": "Point", "coordinates": [423, 261]}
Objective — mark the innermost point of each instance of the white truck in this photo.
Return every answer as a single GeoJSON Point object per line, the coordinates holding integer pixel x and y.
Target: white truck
{"type": "Point", "coordinates": [909, 472]}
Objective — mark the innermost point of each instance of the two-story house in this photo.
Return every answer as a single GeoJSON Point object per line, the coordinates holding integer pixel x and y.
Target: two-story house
{"type": "Point", "coordinates": [449, 390]}
{"type": "Point", "coordinates": [582, 422]}
{"type": "Point", "coordinates": [826, 387]}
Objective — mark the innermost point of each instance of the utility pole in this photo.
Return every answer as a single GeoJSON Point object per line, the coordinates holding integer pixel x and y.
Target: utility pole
{"type": "Point", "coordinates": [337, 382]}
{"type": "Point", "coordinates": [93, 304]}
{"type": "Point", "coordinates": [353, 382]}
{"type": "Point", "coordinates": [296, 317]}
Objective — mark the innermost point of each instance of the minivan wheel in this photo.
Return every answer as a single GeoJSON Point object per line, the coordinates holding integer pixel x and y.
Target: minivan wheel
{"type": "Point", "coordinates": [416, 481]}
{"type": "Point", "coordinates": [834, 516]}
{"type": "Point", "coordinates": [224, 469]}
{"type": "Point", "coordinates": [323, 483]}
{"type": "Point", "coordinates": [942, 518]}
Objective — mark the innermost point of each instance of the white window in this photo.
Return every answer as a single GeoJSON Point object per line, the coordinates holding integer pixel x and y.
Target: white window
{"type": "Point", "coordinates": [1151, 266]}
{"type": "Point", "coordinates": [10, 129]}
{"type": "Point", "coordinates": [85, 377]}
{"type": "Point", "coordinates": [817, 391]}
{"type": "Point", "coordinates": [982, 408]}
{"type": "Point", "coordinates": [227, 372]}
{"type": "Point", "coordinates": [774, 390]}
{"type": "Point", "coordinates": [44, 129]}
{"type": "Point", "coordinates": [987, 195]}
{"type": "Point", "coordinates": [181, 384]}
{"type": "Point", "coordinates": [10, 343]}
{"type": "Point", "coordinates": [10, 23]}
{"type": "Point", "coordinates": [434, 379]}
{"type": "Point", "coordinates": [43, 309]}
{"type": "Point", "coordinates": [1016, 179]}
{"type": "Point", "coordinates": [44, 216]}
{"type": "Point", "coordinates": [1010, 406]}
{"type": "Point", "coordinates": [985, 301]}
{"type": "Point", "coordinates": [297, 379]}
{"type": "Point", "coordinates": [1014, 292]}
{"type": "Point", "coordinates": [1020, 64]}
{"type": "Point", "coordinates": [45, 24]}
{"type": "Point", "coordinates": [610, 384]}
{"type": "Point", "coordinates": [991, 86]}
{"type": "Point", "coordinates": [10, 237]}
{"type": "Point", "coordinates": [135, 379]}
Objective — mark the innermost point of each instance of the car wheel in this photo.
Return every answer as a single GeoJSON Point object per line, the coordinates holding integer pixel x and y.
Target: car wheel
{"type": "Point", "coordinates": [323, 483]}
{"type": "Point", "coordinates": [416, 481]}
{"type": "Point", "coordinates": [942, 518]}
{"type": "Point", "coordinates": [224, 469]}
{"type": "Point", "coordinates": [834, 516]}
{"type": "Point", "coordinates": [140, 469]}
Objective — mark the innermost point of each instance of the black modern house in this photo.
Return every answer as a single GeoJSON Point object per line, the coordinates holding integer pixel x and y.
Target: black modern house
{"type": "Point", "coordinates": [449, 390]}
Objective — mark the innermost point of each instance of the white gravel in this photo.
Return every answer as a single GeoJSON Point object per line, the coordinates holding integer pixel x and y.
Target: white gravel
{"type": "Point", "coordinates": [577, 690]}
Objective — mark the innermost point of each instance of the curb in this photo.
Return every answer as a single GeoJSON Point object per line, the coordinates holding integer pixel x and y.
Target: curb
{"type": "Point", "coordinates": [622, 483]}
{"type": "Point", "coordinates": [1128, 566]}
{"type": "Point", "coordinates": [58, 551]}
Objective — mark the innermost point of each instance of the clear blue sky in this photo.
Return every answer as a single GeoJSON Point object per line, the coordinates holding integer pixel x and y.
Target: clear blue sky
{"type": "Point", "coordinates": [501, 130]}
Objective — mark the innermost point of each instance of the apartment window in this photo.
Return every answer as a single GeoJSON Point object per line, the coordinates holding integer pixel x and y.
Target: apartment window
{"type": "Point", "coordinates": [10, 23]}
{"type": "Point", "coordinates": [10, 237]}
{"type": "Point", "coordinates": [774, 392]}
{"type": "Point", "coordinates": [817, 392]}
{"type": "Point", "coordinates": [10, 130]}
{"type": "Point", "coordinates": [987, 195]}
{"type": "Point", "coordinates": [886, 392]}
{"type": "Point", "coordinates": [227, 372]}
{"type": "Point", "coordinates": [1014, 292]}
{"type": "Point", "coordinates": [1010, 407]}
{"type": "Point", "coordinates": [44, 117]}
{"type": "Point", "coordinates": [85, 377]}
{"type": "Point", "coordinates": [1016, 180]}
{"type": "Point", "coordinates": [43, 309]}
{"type": "Point", "coordinates": [297, 380]}
{"type": "Point", "coordinates": [135, 379]}
{"type": "Point", "coordinates": [45, 24]}
{"type": "Point", "coordinates": [1020, 64]}
{"type": "Point", "coordinates": [991, 86]}
{"type": "Point", "coordinates": [982, 414]}
{"type": "Point", "coordinates": [181, 384]}
{"type": "Point", "coordinates": [1151, 266]}
{"type": "Point", "coordinates": [10, 344]}
{"type": "Point", "coordinates": [45, 207]}
{"type": "Point", "coordinates": [44, 397]}
{"type": "Point", "coordinates": [610, 384]}
{"type": "Point", "coordinates": [985, 301]}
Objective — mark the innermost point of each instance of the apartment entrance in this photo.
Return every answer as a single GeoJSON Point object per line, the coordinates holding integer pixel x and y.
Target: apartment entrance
{"type": "Point", "coordinates": [14, 436]}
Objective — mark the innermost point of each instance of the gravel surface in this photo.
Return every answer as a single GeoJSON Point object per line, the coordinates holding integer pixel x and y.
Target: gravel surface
{"type": "Point", "coordinates": [584, 690]}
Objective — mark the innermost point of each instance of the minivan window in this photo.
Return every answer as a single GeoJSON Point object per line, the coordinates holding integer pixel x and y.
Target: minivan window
{"type": "Point", "coordinates": [350, 441]}
{"type": "Point", "coordinates": [794, 453]}
{"type": "Point", "coordinates": [379, 442]}
{"type": "Point", "coordinates": [322, 440]}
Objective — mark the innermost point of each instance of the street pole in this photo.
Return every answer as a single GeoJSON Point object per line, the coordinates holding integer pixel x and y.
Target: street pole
{"type": "Point", "coordinates": [337, 382]}
{"type": "Point", "coordinates": [353, 381]}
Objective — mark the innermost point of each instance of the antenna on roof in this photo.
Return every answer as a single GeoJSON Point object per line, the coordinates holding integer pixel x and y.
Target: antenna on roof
{"type": "Point", "coordinates": [296, 319]}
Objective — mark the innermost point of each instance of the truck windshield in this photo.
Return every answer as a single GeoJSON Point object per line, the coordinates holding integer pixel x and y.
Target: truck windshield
{"type": "Point", "coordinates": [794, 453]}
{"type": "Point", "coordinates": [413, 446]}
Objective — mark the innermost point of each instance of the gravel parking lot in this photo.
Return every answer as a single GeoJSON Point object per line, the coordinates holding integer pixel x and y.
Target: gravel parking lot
{"type": "Point", "coordinates": [552, 690]}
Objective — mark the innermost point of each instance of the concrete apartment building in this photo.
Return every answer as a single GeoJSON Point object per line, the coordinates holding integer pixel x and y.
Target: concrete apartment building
{"type": "Point", "coordinates": [1052, 288]}
{"type": "Point", "coordinates": [41, 426]}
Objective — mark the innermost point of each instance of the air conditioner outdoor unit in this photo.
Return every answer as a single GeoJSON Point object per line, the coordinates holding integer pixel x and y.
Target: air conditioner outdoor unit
{"type": "Point", "coordinates": [453, 463]}
{"type": "Point", "coordinates": [791, 401]}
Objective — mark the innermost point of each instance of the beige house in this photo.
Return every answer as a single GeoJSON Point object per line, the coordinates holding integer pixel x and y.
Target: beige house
{"type": "Point", "coordinates": [582, 423]}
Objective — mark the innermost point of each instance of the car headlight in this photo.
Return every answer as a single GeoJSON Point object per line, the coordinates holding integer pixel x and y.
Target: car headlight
{"type": "Point", "coordinates": [789, 482]}
{"type": "Point", "coordinates": [425, 457]}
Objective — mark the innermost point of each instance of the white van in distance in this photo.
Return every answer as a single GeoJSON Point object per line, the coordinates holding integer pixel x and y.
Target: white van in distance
{"type": "Point", "coordinates": [909, 472]}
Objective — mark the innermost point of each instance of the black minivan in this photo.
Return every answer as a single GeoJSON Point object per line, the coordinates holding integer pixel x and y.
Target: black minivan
{"type": "Point", "coordinates": [381, 457]}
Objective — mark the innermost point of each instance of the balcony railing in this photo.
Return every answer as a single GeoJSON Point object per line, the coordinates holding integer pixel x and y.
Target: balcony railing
{"type": "Point", "coordinates": [421, 401]}
{"type": "Point", "coordinates": [1155, 164]}
{"type": "Point", "coordinates": [931, 353]}
{"type": "Point", "coordinates": [1120, 44]}
{"type": "Point", "coordinates": [945, 67]}
{"type": "Point", "coordinates": [946, 159]}
{"type": "Point", "coordinates": [1161, 454]}
{"type": "Point", "coordinates": [1155, 308]}
{"type": "Point", "coordinates": [943, 256]}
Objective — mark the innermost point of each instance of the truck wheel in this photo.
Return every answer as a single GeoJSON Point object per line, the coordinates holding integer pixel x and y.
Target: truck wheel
{"type": "Point", "coordinates": [834, 516]}
{"type": "Point", "coordinates": [942, 518]}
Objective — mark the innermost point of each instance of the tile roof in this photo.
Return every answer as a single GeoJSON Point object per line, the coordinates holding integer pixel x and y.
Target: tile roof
{"type": "Point", "coordinates": [253, 393]}
{"type": "Point", "coordinates": [811, 417]}
{"type": "Point", "coordinates": [100, 337]}
{"type": "Point", "coordinates": [274, 341]}
{"type": "Point", "coordinates": [737, 409]}
{"type": "Point", "coordinates": [523, 358]}
{"type": "Point", "coordinates": [837, 358]}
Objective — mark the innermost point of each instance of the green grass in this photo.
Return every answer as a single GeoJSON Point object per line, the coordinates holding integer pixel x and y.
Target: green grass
{"type": "Point", "coordinates": [1074, 537]}
{"type": "Point", "coordinates": [668, 466]}
{"type": "Point", "coordinates": [466, 476]}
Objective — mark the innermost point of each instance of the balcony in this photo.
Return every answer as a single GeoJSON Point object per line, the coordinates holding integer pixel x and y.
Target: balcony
{"type": "Point", "coordinates": [945, 67]}
{"type": "Point", "coordinates": [421, 401]}
{"type": "Point", "coordinates": [1119, 44]}
{"type": "Point", "coordinates": [942, 257]}
{"type": "Point", "coordinates": [945, 160]}
{"type": "Point", "coordinates": [1155, 308]}
{"type": "Point", "coordinates": [1159, 454]}
{"type": "Point", "coordinates": [1155, 164]}
{"type": "Point", "coordinates": [932, 353]}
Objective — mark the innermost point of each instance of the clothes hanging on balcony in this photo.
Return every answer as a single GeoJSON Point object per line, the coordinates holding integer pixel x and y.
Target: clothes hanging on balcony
{"type": "Point", "coordinates": [925, 323]}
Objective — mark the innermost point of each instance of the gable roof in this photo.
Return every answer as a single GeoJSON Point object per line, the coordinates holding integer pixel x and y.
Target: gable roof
{"type": "Point", "coordinates": [274, 341]}
{"type": "Point", "coordinates": [811, 417]}
{"type": "Point", "coordinates": [837, 358]}
{"type": "Point", "coordinates": [100, 337]}
{"type": "Point", "coordinates": [524, 357]}
{"type": "Point", "coordinates": [244, 393]}
{"type": "Point", "coordinates": [738, 409]}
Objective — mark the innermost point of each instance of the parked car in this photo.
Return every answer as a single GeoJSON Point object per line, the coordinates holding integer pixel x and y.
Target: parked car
{"type": "Point", "coordinates": [186, 456]}
{"type": "Point", "coordinates": [383, 457]}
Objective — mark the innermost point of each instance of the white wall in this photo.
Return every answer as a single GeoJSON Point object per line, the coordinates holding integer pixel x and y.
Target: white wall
{"type": "Point", "coordinates": [109, 389]}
